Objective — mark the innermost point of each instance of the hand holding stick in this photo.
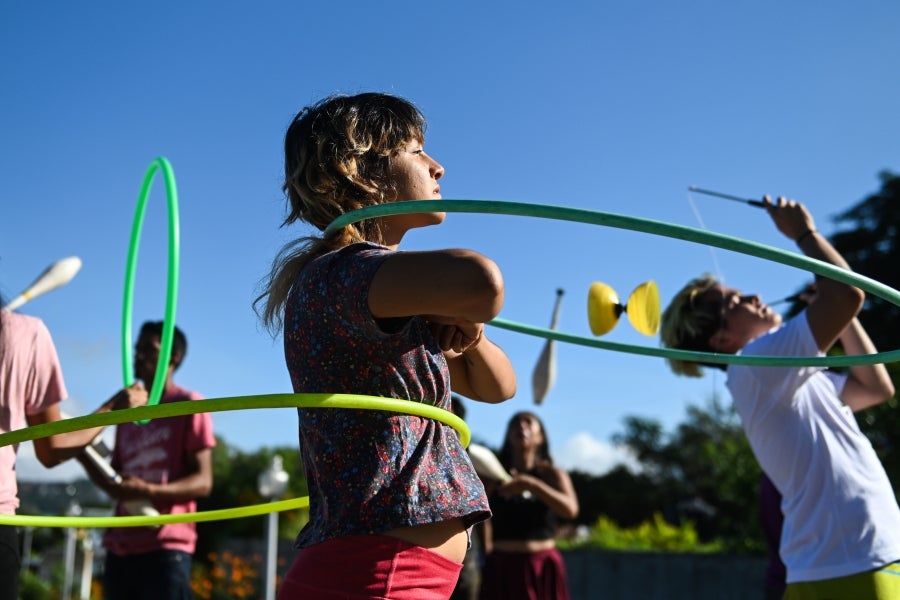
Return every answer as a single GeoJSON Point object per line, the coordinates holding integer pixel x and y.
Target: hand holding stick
{"type": "Point", "coordinates": [757, 203]}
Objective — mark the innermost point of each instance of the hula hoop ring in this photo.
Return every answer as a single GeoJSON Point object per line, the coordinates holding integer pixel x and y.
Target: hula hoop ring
{"type": "Point", "coordinates": [173, 409]}
{"type": "Point", "coordinates": [659, 228]}
{"type": "Point", "coordinates": [165, 353]}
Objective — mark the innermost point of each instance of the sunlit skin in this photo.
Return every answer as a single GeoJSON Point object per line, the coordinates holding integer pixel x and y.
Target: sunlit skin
{"type": "Point", "coordinates": [146, 355]}
{"type": "Point", "coordinates": [525, 436]}
{"type": "Point", "coordinates": [744, 317]}
{"type": "Point", "coordinates": [415, 175]}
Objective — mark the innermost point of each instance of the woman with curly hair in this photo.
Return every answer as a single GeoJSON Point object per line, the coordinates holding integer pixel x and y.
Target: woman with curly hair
{"type": "Point", "coordinates": [391, 496]}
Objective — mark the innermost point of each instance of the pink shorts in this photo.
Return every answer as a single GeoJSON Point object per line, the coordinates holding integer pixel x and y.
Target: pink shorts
{"type": "Point", "coordinates": [369, 567]}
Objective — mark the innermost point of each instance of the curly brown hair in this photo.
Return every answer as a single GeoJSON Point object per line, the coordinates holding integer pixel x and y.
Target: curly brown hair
{"type": "Point", "coordinates": [337, 158]}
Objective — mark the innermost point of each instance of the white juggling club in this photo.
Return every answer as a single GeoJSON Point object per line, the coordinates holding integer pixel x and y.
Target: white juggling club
{"type": "Point", "coordinates": [486, 463]}
{"type": "Point", "coordinates": [58, 274]}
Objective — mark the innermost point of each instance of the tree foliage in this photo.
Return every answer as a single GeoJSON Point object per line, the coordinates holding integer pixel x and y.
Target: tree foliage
{"type": "Point", "coordinates": [235, 475]}
{"type": "Point", "coordinates": [704, 471]}
{"type": "Point", "coordinates": [870, 241]}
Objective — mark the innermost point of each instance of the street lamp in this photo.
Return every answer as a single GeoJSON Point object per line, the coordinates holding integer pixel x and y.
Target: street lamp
{"type": "Point", "coordinates": [272, 484]}
{"type": "Point", "coordinates": [74, 510]}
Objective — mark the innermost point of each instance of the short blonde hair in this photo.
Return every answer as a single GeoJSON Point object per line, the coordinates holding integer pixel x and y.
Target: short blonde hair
{"type": "Point", "coordinates": [688, 323]}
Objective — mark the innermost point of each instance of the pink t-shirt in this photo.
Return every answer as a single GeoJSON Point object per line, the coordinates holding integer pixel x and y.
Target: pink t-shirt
{"type": "Point", "coordinates": [156, 452]}
{"type": "Point", "coordinates": [30, 382]}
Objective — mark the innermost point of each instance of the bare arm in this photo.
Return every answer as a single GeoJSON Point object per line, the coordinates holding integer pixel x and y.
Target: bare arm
{"type": "Point", "coordinates": [459, 284]}
{"type": "Point", "coordinates": [457, 291]}
{"type": "Point", "coordinates": [482, 372]}
{"type": "Point", "coordinates": [55, 449]}
{"type": "Point", "coordinates": [868, 385]}
{"type": "Point", "coordinates": [555, 490]}
{"type": "Point", "coordinates": [836, 304]}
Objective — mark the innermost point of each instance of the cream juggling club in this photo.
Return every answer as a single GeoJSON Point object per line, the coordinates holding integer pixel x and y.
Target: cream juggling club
{"type": "Point", "coordinates": [56, 275]}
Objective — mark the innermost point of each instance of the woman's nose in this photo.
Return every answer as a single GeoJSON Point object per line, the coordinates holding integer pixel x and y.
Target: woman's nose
{"type": "Point", "coordinates": [437, 169]}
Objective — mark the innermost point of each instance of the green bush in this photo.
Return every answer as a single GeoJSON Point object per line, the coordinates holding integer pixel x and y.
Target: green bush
{"type": "Point", "coordinates": [32, 587]}
{"type": "Point", "coordinates": [650, 536]}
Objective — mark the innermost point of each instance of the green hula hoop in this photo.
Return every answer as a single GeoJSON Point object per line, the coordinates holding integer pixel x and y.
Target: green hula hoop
{"type": "Point", "coordinates": [173, 409]}
{"type": "Point", "coordinates": [165, 353]}
{"type": "Point", "coordinates": [659, 228]}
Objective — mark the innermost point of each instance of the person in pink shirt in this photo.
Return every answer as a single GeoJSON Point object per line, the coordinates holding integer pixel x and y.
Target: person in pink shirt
{"type": "Point", "coordinates": [31, 388]}
{"type": "Point", "coordinates": [166, 463]}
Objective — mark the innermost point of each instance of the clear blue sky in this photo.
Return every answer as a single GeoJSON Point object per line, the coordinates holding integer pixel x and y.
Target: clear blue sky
{"type": "Point", "coordinates": [614, 107]}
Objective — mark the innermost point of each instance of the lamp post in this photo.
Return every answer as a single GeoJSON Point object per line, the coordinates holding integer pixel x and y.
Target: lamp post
{"type": "Point", "coordinates": [272, 484]}
{"type": "Point", "coordinates": [87, 564]}
{"type": "Point", "coordinates": [74, 510]}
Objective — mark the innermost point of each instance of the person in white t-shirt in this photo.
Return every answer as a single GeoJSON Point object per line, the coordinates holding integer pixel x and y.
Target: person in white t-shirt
{"type": "Point", "coordinates": [841, 534]}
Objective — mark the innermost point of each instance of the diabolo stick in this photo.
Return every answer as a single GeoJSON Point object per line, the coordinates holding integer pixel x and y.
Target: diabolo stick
{"type": "Point", "coordinates": [758, 203]}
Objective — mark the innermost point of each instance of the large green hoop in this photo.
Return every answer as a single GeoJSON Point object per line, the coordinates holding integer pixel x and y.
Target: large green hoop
{"type": "Point", "coordinates": [656, 228]}
{"type": "Point", "coordinates": [174, 409]}
{"type": "Point", "coordinates": [165, 353]}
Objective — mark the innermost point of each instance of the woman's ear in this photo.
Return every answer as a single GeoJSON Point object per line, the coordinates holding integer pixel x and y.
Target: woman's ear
{"type": "Point", "coordinates": [719, 341]}
{"type": "Point", "coordinates": [724, 342]}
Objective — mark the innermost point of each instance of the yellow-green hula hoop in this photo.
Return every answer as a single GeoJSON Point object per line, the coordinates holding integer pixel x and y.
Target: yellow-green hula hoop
{"type": "Point", "coordinates": [142, 521]}
{"type": "Point", "coordinates": [681, 232]}
{"type": "Point", "coordinates": [173, 409]}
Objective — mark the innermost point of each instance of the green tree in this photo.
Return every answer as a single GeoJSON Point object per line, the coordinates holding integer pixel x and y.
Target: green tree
{"type": "Point", "coordinates": [625, 497]}
{"type": "Point", "coordinates": [705, 463]}
{"type": "Point", "coordinates": [235, 475]}
{"type": "Point", "coordinates": [870, 241]}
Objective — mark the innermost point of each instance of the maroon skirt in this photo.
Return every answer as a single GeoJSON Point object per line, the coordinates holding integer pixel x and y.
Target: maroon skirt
{"type": "Point", "coordinates": [524, 576]}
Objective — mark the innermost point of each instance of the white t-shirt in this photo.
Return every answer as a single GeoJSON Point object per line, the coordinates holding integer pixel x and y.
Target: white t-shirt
{"type": "Point", "coordinates": [840, 513]}
{"type": "Point", "coordinates": [30, 382]}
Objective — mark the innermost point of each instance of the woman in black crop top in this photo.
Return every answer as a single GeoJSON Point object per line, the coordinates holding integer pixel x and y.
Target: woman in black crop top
{"type": "Point", "coordinates": [522, 562]}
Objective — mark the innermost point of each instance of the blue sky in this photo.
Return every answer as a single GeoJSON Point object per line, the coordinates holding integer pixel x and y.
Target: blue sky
{"type": "Point", "coordinates": [614, 107]}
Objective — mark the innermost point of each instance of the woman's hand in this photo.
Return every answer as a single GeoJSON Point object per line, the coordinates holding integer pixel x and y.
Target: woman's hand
{"type": "Point", "coordinates": [790, 217]}
{"type": "Point", "coordinates": [521, 483]}
{"type": "Point", "coordinates": [455, 336]}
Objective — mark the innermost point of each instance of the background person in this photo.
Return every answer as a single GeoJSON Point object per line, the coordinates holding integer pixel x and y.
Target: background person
{"type": "Point", "coordinates": [31, 388]}
{"type": "Point", "coordinates": [167, 462]}
{"type": "Point", "coordinates": [522, 561]}
{"type": "Point", "coordinates": [390, 494]}
{"type": "Point", "coordinates": [470, 577]}
{"type": "Point", "coordinates": [841, 530]}
{"type": "Point", "coordinates": [771, 520]}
